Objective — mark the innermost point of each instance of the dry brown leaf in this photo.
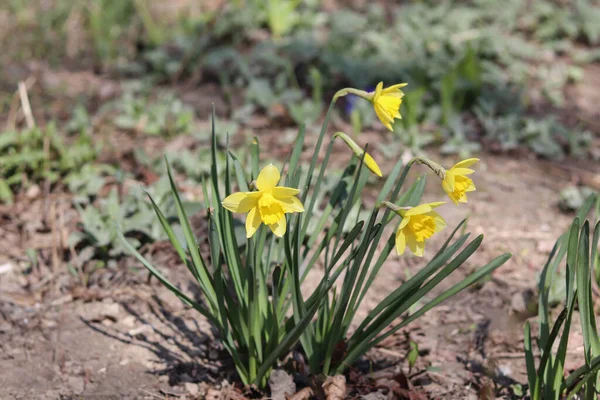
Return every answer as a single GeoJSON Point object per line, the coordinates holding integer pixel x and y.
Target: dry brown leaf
{"type": "Point", "coordinates": [282, 385]}
{"type": "Point", "coordinates": [335, 387]}
{"type": "Point", "coordinates": [303, 394]}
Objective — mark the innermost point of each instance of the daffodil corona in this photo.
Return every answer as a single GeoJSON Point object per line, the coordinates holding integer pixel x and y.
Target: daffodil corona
{"type": "Point", "coordinates": [387, 103]}
{"type": "Point", "coordinates": [418, 224]}
{"type": "Point", "coordinates": [456, 182]}
{"type": "Point", "coordinates": [267, 205]}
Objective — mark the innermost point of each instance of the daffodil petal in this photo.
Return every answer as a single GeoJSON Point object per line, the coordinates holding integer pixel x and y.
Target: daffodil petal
{"type": "Point", "coordinates": [385, 120]}
{"type": "Point", "coordinates": [423, 208]}
{"type": "Point", "coordinates": [446, 187]}
{"type": "Point", "coordinates": [252, 222]}
{"type": "Point", "coordinates": [450, 181]}
{"type": "Point", "coordinates": [393, 88]}
{"type": "Point", "coordinates": [279, 227]}
{"type": "Point", "coordinates": [268, 178]}
{"type": "Point", "coordinates": [241, 202]}
{"type": "Point", "coordinates": [462, 171]}
{"type": "Point", "coordinates": [291, 204]}
{"type": "Point", "coordinates": [282, 192]}
{"type": "Point", "coordinates": [466, 163]}
{"type": "Point", "coordinates": [404, 221]}
{"type": "Point", "coordinates": [420, 249]}
{"type": "Point", "coordinates": [411, 241]}
{"type": "Point", "coordinates": [378, 89]}
{"type": "Point", "coordinates": [400, 242]}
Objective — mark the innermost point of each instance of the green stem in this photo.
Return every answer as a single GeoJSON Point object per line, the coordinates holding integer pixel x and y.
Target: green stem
{"type": "Point", "coordinates": [435, 167]}
{"type": "Point", "coordinates": [357, 92]}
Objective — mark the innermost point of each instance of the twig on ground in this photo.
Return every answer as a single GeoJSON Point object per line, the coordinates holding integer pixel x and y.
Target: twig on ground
{"type": "Point", "coordinates": [25, 105]}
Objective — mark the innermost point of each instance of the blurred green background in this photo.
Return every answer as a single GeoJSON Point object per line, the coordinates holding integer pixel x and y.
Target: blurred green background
{"type": "Point", "coordinates": [115, 84]}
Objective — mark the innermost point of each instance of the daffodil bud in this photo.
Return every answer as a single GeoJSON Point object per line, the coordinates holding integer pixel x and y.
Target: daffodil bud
{"type": "Point", "coordinates": [418, 224]}
{"type": "Point", "coordinates": [359, 152]}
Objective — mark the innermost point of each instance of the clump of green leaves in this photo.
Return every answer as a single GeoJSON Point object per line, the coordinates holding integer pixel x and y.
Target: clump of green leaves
{"type": "Point", "coordinates": [547, 380]}
{"type": "Point", "coordinates": [164, 115]}
{"type": "Point", "coordinates": [132, 215]}
{"type": "Point", "coordinates": [36, 155]}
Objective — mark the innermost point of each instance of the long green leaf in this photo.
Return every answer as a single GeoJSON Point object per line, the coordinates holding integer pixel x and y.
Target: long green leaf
{"type": "Point", "coordinates": [529, 361]}
{"type": "Point", "coordinates": [487, 269]}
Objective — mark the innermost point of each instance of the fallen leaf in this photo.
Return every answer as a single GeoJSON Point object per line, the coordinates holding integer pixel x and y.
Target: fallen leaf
{"type": "Point", "coordinates": [303, 394]}
{"type": "Point", "coordinates": [281, 384]}
{"type": "Point", "coordinates": [335, 387]}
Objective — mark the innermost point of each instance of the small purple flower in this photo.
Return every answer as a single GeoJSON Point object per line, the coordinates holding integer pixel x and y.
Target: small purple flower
{"type": "Point", "coordinates": [351, 101]}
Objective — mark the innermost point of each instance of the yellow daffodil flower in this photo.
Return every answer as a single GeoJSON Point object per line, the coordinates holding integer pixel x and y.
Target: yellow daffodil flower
{"type": "Point", "coordinates": [456, 182]}
{"type": "Point", "coordinates": [268, 205]}
{"type": "Point", "coordinates": [358, 151]}
{"type": "Point", "coordinates": [418, 224]}
{"type": "Point", "coordinates": [387, 103]}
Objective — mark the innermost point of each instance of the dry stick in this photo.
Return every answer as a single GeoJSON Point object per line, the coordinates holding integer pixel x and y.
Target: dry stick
{"type": "Point", "coordinates": [11, 121]}
{"type": "Point", "coordinates": [55, 259]}
{"type": "Point", "coordinates": [25, 105]}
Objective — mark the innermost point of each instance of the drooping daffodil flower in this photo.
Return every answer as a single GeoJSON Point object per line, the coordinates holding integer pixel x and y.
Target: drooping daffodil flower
{"type": "Point", "coordinates": [386, 102]}
{"type": "Point", "coordinates": [456, 183]}
{"type": "Point", "coordinates": [418, 224]}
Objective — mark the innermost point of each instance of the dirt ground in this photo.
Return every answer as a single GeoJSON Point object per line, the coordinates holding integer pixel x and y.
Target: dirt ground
{"type": "Point", "coordinates": [126, 337]}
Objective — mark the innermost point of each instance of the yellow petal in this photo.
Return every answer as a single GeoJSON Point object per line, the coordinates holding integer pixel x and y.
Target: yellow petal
{"type": "Point", "coordinates": [423, 208]}
{"type": "Point", "coordinates": [282, 192]}
{"type": "Point", "coordinates": [420, 249]}
{"type": "Point", "coordinates": [291, 204]}
{"type": "Point", "coordinates": [383, 117]}
{"type": "Point", "coordinates": [413, 245]}
{"type": "Point", "coordinates": [394, 88]}
{"type": "Point", "coordinates": [449, 180]}
{"type": "Point", "coordinates": [241, 202]}
{"type": "Point", "coordinates": [462, 171]}
{"type": "Point", "coordinates": [378, 90]}
{"type": "Point", "coordinates": [446, 187]}
{"type": "Point", "coordinates": [466, 163]}
{"type": "Point", "coordinates": [279, 227]}
{"type": "Point", "coordinates": [268, 178]}
{"type": "Point", "coordinates": [404, 221]}
{"type": "Point", "coordinates": [400, 242]}
{"type": "Point", "coordinates": [252, 222]}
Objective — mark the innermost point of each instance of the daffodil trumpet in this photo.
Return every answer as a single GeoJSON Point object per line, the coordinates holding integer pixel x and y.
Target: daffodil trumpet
{"type": "Point", "coordinates": [360, 153]}
{"type": "Point", "coordinates": [418, 224]}
{"type": "Point", "coordinates": [268, 205]}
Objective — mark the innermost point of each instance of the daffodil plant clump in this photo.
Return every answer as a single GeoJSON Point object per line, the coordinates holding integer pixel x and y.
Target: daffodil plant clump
{"type": "Point", "coordinates": [294, 220]}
